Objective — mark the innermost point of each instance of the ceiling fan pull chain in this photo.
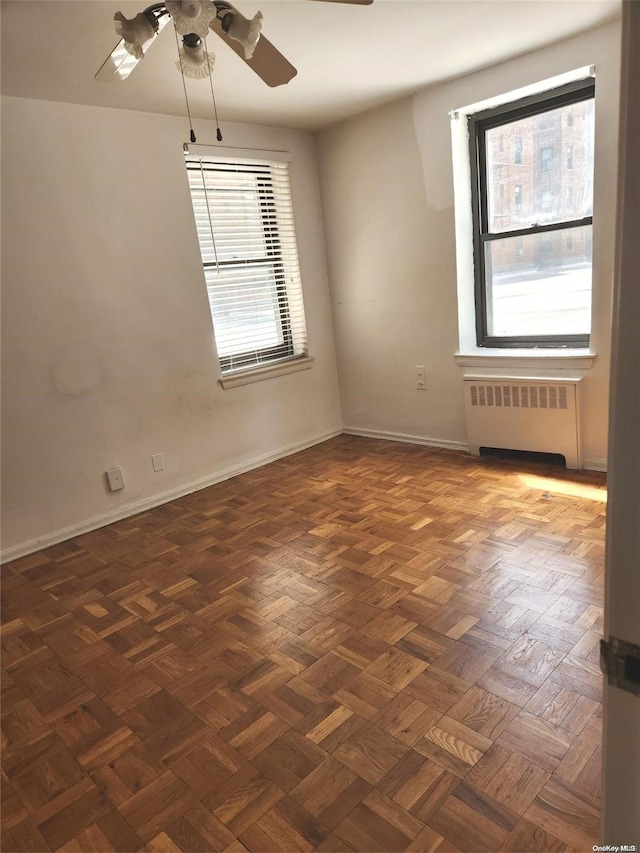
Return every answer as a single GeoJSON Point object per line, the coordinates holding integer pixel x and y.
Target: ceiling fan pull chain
{"type": "Point", "coordinates": [206, 198]}
{"type": "Point", "coordinates": [192, 135]}
{"type": "Point", "coordinates": [213, 98]}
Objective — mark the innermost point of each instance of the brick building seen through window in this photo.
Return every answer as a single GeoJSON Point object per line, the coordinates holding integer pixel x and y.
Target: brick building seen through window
{"type": "Point", "coordinates": [543, 166]}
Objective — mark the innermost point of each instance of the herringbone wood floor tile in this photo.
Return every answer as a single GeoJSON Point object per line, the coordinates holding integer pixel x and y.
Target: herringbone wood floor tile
{"type": "Point", "coordinates": [364, 646]}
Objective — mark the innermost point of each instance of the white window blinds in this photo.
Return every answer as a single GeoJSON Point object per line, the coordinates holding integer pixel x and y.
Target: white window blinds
{"type": "Point", "coordinates": [244, 219]}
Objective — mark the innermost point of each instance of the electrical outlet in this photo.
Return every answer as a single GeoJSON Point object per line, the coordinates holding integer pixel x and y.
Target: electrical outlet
{"type": "Point", "coordinates": [115, 479]}
{"type": "Point", "coordinates": [158, 462]}
{"type": "Point", "coordinates": [421, 385]}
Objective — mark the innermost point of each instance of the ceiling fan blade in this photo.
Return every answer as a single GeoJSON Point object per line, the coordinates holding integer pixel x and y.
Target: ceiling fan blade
{"type": "Point", "coordinates": [120, 63]}
{"type": "Point", "coordinates": [267, 61]}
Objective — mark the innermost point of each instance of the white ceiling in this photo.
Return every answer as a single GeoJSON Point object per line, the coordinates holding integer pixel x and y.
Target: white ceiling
{"type": "Point", "coordinates": [349, 58]}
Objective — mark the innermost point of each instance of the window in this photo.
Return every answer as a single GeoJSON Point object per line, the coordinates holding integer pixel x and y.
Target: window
{"type": "Point", "coordinates": [517, 197]}
{"type": "Point", "coordinates": [245, 227]}
{"type": "Point", "coordinates": [517, 151]}
{"type": "Point", "coordinates": [546, 158]}
{"type": "Point", "coordinates": [569, 159]}
{"type": "Point", "coordinates": [537, 294]}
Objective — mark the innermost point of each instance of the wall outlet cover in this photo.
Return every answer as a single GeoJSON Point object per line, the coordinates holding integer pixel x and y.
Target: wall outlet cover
{"type": "Point", "coordinates": [115, 479]}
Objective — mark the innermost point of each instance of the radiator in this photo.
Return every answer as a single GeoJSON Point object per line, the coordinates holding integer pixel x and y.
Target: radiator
{"type": "Point", "coordinates": [524, 413]}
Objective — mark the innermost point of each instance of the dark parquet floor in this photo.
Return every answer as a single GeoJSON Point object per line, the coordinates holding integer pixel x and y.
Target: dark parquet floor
{"type": "Point", "coordinates": [365, 646]}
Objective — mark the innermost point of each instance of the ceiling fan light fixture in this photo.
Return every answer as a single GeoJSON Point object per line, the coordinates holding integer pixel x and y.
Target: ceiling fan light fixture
{"type": "Point", "coordinates": [195, 18]}
{"type": "Point", "coordinates": [241, 29]}
{"type": "Point", "coordinates": [196, 61]}
{"type": "Point", "coordinates": [136, 33]}
{"type": "Point", "coordinates": [191, 16]}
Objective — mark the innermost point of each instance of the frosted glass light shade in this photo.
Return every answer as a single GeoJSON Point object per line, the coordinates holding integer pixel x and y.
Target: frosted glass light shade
{"type": "Point", "coordinates": [136, 33]}
{"type": "Point", "coordinates": [241, 29]}
{"type": "Point", "coordinates": [191, 16]}
{"type": "Point", "coordinates": [196, 62]}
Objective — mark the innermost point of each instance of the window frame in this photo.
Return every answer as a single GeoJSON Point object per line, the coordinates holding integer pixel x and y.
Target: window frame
{"type": "Point", "coordinates": [478, 124]}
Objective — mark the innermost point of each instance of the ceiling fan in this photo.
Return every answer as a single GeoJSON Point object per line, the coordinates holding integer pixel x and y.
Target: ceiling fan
{"type": "Point", "coordinates": [193, 19]}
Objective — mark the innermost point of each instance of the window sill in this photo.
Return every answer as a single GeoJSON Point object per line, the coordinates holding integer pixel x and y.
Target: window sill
{"type": "Point", "coordinates": [561, 359]}
{"type": "Point", "coordinates": [269, 371]}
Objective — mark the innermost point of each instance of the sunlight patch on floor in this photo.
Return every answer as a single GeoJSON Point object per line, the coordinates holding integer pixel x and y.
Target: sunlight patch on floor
{"type": "Point", "coordinates": [562, 487]}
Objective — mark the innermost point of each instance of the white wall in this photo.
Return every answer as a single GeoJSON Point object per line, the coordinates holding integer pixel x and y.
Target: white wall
{"type": "Point", "coordinates": [387, 191]}
{"type": "Point", "coordinates": [108, 351]}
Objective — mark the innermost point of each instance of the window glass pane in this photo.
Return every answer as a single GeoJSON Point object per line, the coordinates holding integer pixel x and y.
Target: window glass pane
{"type": "Point", "coordinates": [569, 160]}
{"type": "Point", "coordinates": [546, 158]}
{"type": "Point", "coordinates": [550, 159]}
{"type": "Point", "coordinates": [517, 151]}
{"type": "Point", "coordinates": [539, 284]}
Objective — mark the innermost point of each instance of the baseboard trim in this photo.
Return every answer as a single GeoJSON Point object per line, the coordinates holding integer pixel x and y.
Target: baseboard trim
{"type": "Point", "coordinates": [405, 438]}
{"type": "Point", "coordinates": [591, 463]}
{"type": "Point", "coordinates": [23, 549]}
{"type": "Point", "coordinates": [595, 463]}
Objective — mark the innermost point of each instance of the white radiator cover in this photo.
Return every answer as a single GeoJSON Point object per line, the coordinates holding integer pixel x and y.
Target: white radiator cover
{"type": "Point", "coordinates": [524, 413]}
